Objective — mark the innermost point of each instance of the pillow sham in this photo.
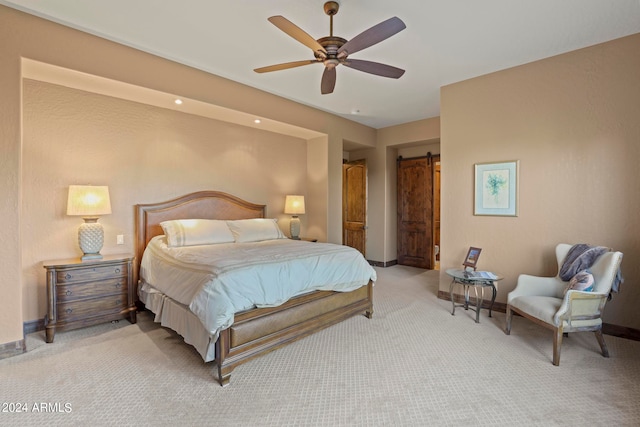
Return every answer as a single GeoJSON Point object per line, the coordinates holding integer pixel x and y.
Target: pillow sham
{"type": "Point", "coordinates": [191, 232]}
{"type": "Point", "coordinates": [255, 230]}
{"type": "Point", "coordinates": [582, 281]}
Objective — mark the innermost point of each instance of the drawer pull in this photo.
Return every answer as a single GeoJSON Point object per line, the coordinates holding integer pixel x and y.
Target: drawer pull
{"type": "Point", "coordinates": [117, 270]}
{"type": "Point", "coordinates": [119, 301]}
{"type": "Point", "coordinates": [118, 285]}
{"type": "Point", "coordinates": [68, 276]}
{"type": "Point", "coordinates": [69, 310]}
{"type": "Point", "coordinates": [69, 293]}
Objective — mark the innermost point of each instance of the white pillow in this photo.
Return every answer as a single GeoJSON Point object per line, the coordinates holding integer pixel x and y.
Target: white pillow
{"type": "Point", "coordinates": [190, 232]}
{"type": "Point", "coordinates": [255, 230]}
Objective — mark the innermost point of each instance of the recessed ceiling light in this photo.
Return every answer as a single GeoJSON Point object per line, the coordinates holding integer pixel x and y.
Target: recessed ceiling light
{"type": "Point", "coordinates": [257, 121]}
{"type": "Point", "coordinates": [178, 101]}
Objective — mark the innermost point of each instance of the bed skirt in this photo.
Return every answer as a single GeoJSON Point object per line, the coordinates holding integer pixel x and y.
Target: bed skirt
{"type": "Point", "coordinates": [176, 316]}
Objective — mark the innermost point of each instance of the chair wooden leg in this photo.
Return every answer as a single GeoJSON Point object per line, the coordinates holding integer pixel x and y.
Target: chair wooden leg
{"type": "Point", "coordinates": [603, 345]}
{"type": "Point", "coordinates": [509, 317]}
{"type": "Point", "coordinates": [557, 343]}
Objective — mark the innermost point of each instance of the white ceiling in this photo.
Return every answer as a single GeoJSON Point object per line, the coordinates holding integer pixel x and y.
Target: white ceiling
{"type": "Point", "coordinates": [445, 41]}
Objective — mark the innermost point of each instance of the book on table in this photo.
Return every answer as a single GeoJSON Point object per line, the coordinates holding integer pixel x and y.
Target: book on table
{"type": "Point", "coordinates": [482, 275]}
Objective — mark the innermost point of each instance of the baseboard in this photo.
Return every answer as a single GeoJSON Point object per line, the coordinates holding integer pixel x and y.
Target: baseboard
{"type": "Point", "coordinates": [383, 263]}
{"type": "Point", "coordinates": [12, 349]}
{"type": "Point", "coordinates": [33, 326]}
{"type": "Point", "coordinates": [18, 347]}
{"type": "Point", "coordinates": [607, 328]}
{"type": "Point", "coordinates": [621, 331]}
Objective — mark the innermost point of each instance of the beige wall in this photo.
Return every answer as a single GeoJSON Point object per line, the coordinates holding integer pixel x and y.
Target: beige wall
{"type": "Point", "coordinates": [10, 162]}
{"type": "Point", "coordinates": [26, 36]}
{"type": "Point", "coordinates": [410, 138]}
{"type": "Point", "coordinates": [144, 154]}
{"type": "Point", "coordinates": [316, 201]}
{"type": "Point", "coordinates": [573, 121]}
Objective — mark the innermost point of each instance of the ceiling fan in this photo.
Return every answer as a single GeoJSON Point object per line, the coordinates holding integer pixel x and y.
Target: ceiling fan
{"type": "Point", "coordinates": [333, 51]}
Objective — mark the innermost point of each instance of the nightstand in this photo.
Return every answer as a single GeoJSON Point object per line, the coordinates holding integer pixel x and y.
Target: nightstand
{"type": "Point", "coordinates": [85, 293]}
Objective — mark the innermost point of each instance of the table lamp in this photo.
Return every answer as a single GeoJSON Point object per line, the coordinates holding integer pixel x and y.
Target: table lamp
{"type": "Point", "coordinates": [89, 202]}
{"type": "Point", "coordinates": [294, 205]}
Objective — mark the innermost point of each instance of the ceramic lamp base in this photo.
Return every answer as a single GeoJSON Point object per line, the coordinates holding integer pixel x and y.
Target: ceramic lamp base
{"type": "Point", "coordinates": [91, 238]}
{"type": "Point", "coordinates": [294, 227]}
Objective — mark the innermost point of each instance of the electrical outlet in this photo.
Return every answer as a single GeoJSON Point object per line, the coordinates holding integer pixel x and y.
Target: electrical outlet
{"type": "Point", "coordinates": [120, 239]}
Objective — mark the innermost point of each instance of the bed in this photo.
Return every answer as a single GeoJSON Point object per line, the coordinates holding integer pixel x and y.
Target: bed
{"type": "Point", "coordinates": [253, 331]}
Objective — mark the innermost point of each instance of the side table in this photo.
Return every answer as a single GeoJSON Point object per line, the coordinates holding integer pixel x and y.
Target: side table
{"type": "Point", "coordinates": [84, 293]}
{"type": "Point", "coordinates": [468, 279]}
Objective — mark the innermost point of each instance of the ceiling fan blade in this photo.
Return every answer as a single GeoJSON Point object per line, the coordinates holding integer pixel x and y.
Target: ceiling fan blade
{"type": "Point", "coordinates": [374, 68]}
{"type": "Point", "coordinates": [373, 35]}
{"type": "Point", "coordinates": [285, 66]}
{"type": "Point", "coordinates": [297, 33]}
{"type": "Point", "coordinates": [328, 81]}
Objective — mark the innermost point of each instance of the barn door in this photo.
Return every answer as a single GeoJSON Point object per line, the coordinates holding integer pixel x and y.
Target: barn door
{"type": "Point", "coordinates": [354, 204]}
{"type": "Point", "coordinates": [415, 212]}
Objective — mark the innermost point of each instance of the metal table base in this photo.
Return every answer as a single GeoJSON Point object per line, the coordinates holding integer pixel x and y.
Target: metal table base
{"type": "Point", "coordinates": [476, 283]}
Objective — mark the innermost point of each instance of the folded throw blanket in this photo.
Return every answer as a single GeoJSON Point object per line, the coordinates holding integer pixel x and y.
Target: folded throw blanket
{"type": "Point", "coordinates": [581, 257]}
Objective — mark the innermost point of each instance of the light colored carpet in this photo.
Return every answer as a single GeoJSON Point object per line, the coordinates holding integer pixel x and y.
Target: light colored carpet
{"type": "Point", "coordinates": [413, 364]}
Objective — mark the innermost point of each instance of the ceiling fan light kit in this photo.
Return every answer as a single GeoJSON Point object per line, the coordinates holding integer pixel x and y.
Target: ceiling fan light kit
{"type": "Point", "coordinates": [332, 51]}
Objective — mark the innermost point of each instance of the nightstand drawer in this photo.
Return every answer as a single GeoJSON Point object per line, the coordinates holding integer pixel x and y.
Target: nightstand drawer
{"type": "Point", "coordinates": [93, 273]}
{"type": "Point", "coordinates": [114, 286]}
{"type": "Point", "coordinates": [71, 311]}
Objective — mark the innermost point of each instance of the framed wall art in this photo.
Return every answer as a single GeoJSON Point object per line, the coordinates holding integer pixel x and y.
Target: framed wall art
{"type": "Point", "coordinates": [496, 189]}
{"type": "Point", "coordinates": [471, 260]}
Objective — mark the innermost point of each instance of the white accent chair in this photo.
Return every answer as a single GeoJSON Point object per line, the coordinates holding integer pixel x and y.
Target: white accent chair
{"type": "Point", "coordinates": [542, 300]}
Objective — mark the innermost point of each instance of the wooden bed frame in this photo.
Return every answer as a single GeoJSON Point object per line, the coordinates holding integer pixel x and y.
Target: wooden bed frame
{"type": "Point", "coordinates": [261, 330]}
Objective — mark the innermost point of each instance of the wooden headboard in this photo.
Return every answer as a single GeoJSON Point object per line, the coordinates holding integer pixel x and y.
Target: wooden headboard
{"type": "Point", "coordinates": [200, 205]}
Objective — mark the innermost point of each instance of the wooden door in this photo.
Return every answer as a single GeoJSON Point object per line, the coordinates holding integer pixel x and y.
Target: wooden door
{"type": "Point", "coordinates": [436, 213]}
{"type": "Point", "coordinates": [354, 204]}
{"type": "Point", "coordinates": [415, 212]}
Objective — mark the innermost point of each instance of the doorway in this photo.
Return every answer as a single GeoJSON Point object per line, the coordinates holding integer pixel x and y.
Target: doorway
{"type": "Point", "coordinates": [419, 211]}
{"type": "Point", "coordinates": [354, 204]}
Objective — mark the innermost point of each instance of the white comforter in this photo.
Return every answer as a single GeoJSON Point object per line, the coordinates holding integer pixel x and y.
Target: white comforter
{"type": "Point", "coordinates": [216, 281]}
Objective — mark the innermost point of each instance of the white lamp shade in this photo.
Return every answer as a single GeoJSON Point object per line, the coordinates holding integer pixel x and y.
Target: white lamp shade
{"type": "Point", "coordinates": [294, 205]}
{"type": "Point", "coordinates": [88, 200]}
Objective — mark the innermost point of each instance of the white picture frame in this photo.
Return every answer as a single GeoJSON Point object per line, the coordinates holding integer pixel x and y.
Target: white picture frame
{"type": "Point", "coordinates": [496, 188]}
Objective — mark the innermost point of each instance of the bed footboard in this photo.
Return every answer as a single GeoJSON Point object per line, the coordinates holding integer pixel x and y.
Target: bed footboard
{"type": "Point", "coordinates": [259, 331]}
